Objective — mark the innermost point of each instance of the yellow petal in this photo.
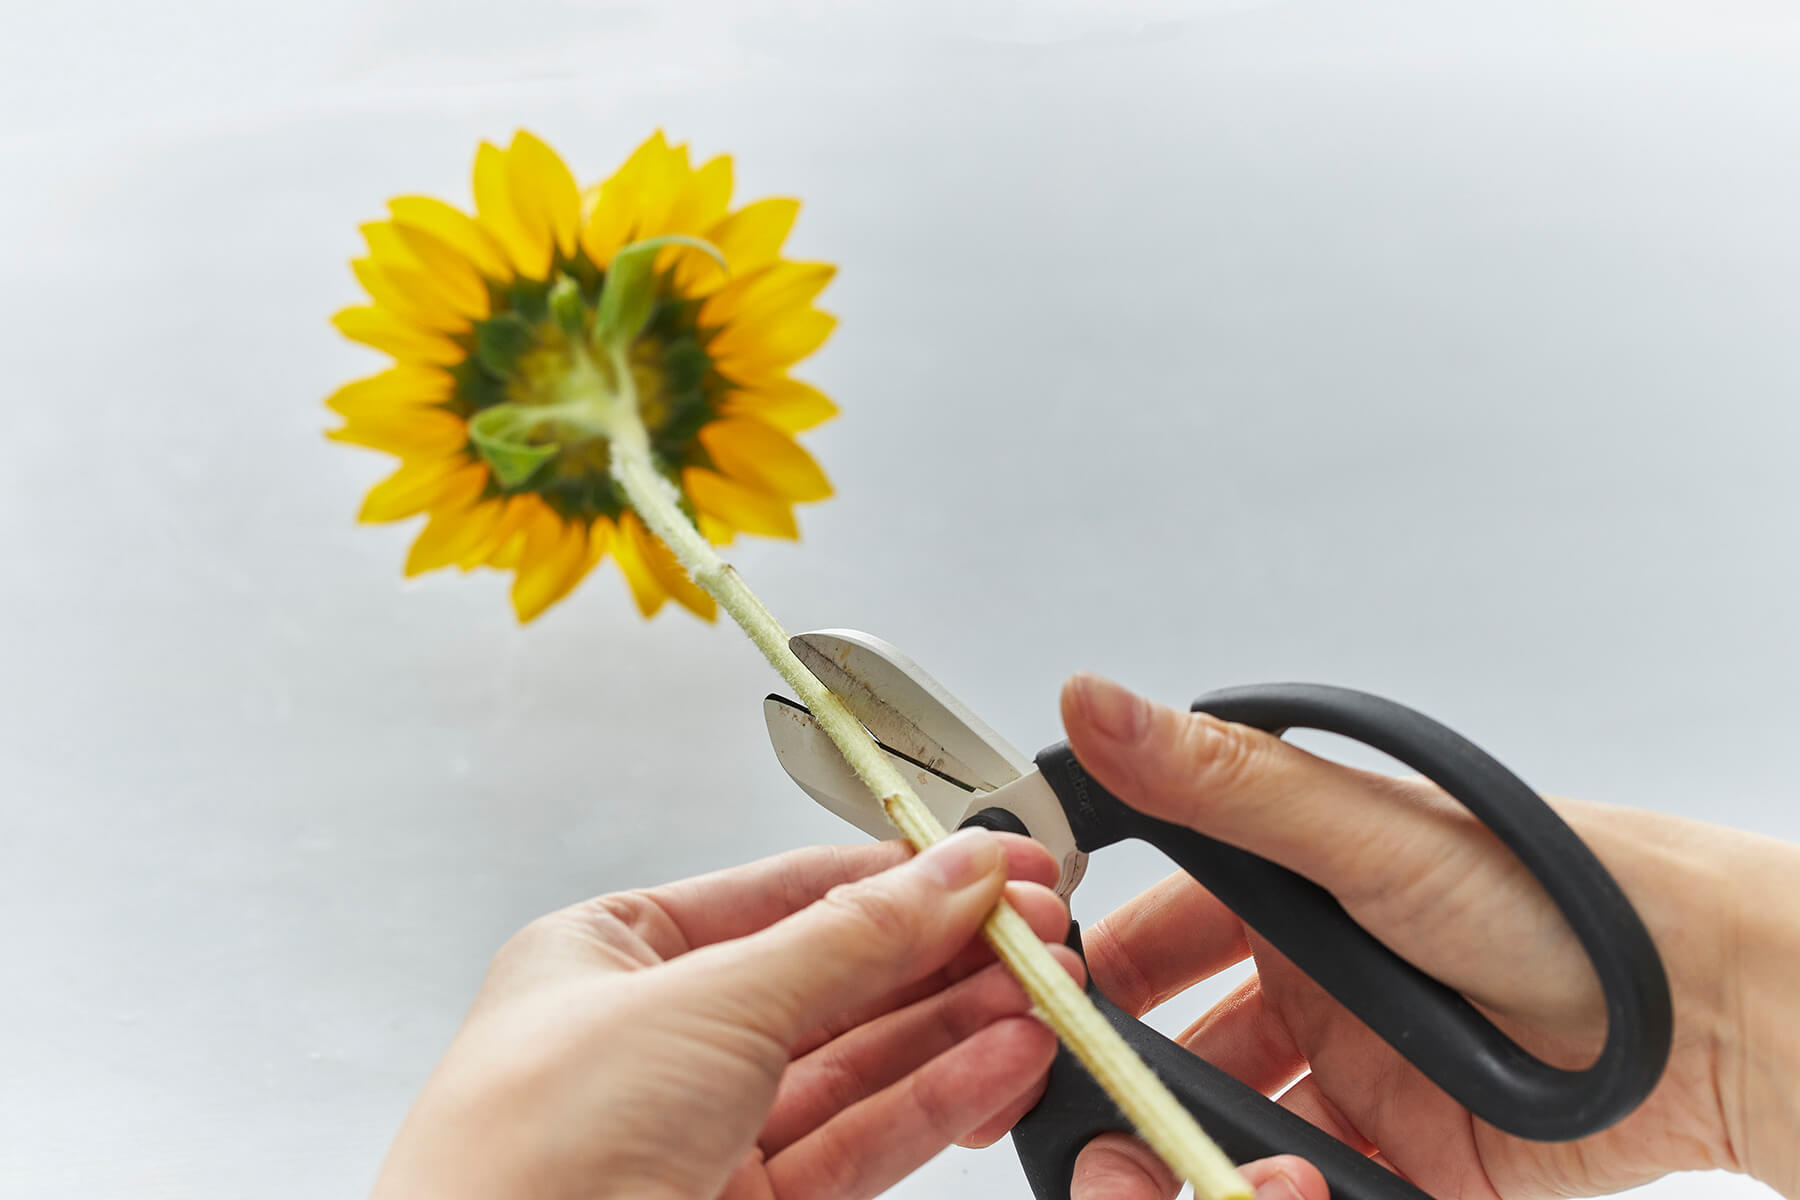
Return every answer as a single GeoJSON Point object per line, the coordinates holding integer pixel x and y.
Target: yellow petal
{"type": "Point", "coordinates": [550, 571]}
{"type": "Point", "coordinates": [668, 572]}
{"type": "Point", "coordinates": [449, 535]}
{"type": "Point", "coordinates": [421, 483]}
{"type": "Point", "coordinates": [532, 245]}
{"type": "Point", "coordinates": [454, 228]}
{"type": "Point", "coordinates": [762, 295]}
{"type": "Point", "coordinates": [762, 456]}
{"type": "Point", "coordinates": [661, 183]}
{"type": "Point", "coordinates": [410, 433]}
{"type": "Point", "coordinates": [397, 389]}
{"type": "Point", "coordinates": [750, 350]}
{"type": "Point", "coordinates": [543, 529]}
{"type": "Point", "coordinates": [385, 246]}
{"type": "Point", "coordinates": [468, 483]}
{"type": "Point", "coordinates": [600, 536]}
{"type": "Point", "coordinates": [605, 231]}
{"type": "Point", "coordinates": [652, 150]}
{"type": "Point", "coordinates": [700, 204]}
{"type": "Point", "coordinates": [749, 238]}
{"type": "Point", "coordinates": [714, 530]}
{"type": "Point", "coordinates": [457, 281]}
{"type": "Point", "coordinates": [510, 539]}
{"type": "Point", "coordinates": [509, 552]}
{"type": "Point", "coordinates": [508, 520]}
{"type": "Point", "coordinates": [382, 330]}
{"type": "Point", "coordinates": [543, 187]}
{"type": "Point", "coordinates": [705, 197]}
{"type": "Point", "coordinates": [495, 214]}
{"type": "Point", "coordinates": [654, 571]}
{"type": "Point", "coordinates": [787, 404]}
{"type": "Point", "coordinates": [628, 552]}
{"type": "Point", "coordinates": [410, 294]}
{"type": "Point", "coordinates": [612, 215]}
{"type": "Point", "coordinates": [738, 506]}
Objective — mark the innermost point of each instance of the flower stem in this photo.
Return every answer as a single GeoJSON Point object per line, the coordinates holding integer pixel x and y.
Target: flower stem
{"type": "Point", "coordinates": [1158, 1117]}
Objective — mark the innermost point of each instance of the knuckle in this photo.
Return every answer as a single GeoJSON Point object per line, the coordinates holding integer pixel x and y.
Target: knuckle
{"type": "Point", "coordinates": [966, 1008]}
{"type": "Point", "coordinates": [1115, 970]}
{"type": "Point", "coordinates": [841, 1080]}
{"type": "Point", "coordinates": [876, 909]}
{"type": "Point", "coordinates": [1215, 756]}
{"type": "Point", "coordinates": [522, 956]}
{"type": "Point", "coordinates": [618, 908]}
{"type": "Point", "coordinates": [619, 916]}
{"type": "Point", "coordinates": [531, 938]}
{"type": "Point", "coordinates": [799, 886]}
{"type": "Point", "coordinates": [934, 1107]}
{"type": "Point", "coordinates": [622, 927]}
{"type": "Point", "coordinates": [837, 1164]}
{"type": "Point", "coordinates": [1273, 1042]}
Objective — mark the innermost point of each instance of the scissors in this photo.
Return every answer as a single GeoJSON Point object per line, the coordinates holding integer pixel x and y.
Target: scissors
{"type": "Point", "coordinates": [969, 775]}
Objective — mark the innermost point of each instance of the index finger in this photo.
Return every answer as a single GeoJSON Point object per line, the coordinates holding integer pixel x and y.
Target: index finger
{"type": "Point", "coordinates": [738, 901]}
{"type": "Point", "coordinates": [1347, 830]}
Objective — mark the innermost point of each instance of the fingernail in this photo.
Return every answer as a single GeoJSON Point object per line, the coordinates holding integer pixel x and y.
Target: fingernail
{"type": "Point", "coordinates": [1117, 712]}
{"type": "Point", "coordinates": [1280, 1186]}
{"type": "Point", "coordinates": [961, 859]}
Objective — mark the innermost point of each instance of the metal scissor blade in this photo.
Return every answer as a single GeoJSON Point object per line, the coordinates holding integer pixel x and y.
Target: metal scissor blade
{"type": "Point", "coordinates": [813, 761]}
{"type": "Point", "coordinates": [907, 710]}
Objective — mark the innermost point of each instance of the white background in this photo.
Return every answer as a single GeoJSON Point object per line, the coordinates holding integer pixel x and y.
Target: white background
{"type": "Point", "coordinates": [1445, 350]}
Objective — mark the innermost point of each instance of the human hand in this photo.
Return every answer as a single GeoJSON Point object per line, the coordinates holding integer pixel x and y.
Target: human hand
{"type": "Point", "coordinates": [817, 1024]}
{"type": "Point", "coordinates": [1416, 870]}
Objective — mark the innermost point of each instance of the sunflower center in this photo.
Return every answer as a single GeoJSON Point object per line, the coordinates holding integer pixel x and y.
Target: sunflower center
{"type": "Point", "coordinates": [548, 382]}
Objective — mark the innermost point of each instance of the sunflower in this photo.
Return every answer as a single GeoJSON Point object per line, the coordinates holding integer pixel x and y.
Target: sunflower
{"type": "Point", "coordinates": [489, 319]}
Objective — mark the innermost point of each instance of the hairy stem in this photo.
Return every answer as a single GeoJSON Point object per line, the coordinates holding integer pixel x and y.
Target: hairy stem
{"type": "Point", "coordinates": [1168, 1127]}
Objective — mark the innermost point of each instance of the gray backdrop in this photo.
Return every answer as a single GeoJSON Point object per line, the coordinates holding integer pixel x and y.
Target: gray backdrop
{"type": "Point", "coordinates": [1446, 350]}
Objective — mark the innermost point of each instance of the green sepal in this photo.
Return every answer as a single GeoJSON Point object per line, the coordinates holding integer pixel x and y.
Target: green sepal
{"type": "Point", "coordinates": [684, 364]}
{"type": "Point", "coordinates": [629, 293]}
{"type": "Point", "coordinates": [499, 341]}
{"type": "Point", "coordinates": [500, 434]}
{"type": "Point", "coordinates": [566, 307]}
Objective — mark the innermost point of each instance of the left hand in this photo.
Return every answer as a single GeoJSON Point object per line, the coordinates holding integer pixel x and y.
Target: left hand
{"type": "Point", "coordinates": [817, 1024]}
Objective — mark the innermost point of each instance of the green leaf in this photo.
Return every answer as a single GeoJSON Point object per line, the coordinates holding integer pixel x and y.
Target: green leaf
{"type": "Point", "coordinates": [630, 290]}
{"type": "Point", "coordinates": [499, 341]}
{"type": "Point", "coordinates": [501, 435]}
{"type": "Point", "coordinates": [566, 306]}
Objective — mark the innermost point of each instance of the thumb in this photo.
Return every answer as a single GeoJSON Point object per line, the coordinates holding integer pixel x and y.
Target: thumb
{"type": "Point", "coordinates": [864, 939]}
{"type": "Point", "coordinates": [1237, 784]}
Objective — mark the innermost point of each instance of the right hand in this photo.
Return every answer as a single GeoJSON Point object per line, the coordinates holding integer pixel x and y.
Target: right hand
{"type": "Point", "coordinates": [1419, 872]}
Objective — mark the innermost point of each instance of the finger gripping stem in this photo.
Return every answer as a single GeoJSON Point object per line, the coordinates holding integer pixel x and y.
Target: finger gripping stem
{"type": "Point", "coordinates": [1432, 1026]}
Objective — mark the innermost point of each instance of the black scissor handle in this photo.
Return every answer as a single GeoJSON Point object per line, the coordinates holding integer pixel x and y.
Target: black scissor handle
{"type": "Point", "coordinates": [1242, 1120]}
{"type": "Point", "coordinates": [1432, 1026]}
